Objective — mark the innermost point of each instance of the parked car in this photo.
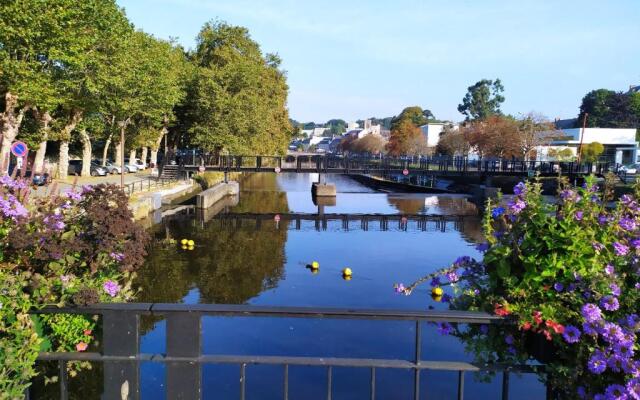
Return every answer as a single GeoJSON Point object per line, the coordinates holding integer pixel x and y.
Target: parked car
{"type": "Point", "coordinates": [131, 167]}
{"type": "Point", "coordinates": [113, 168]}
{"type": "Point", "coordinates": [41, 179]}
{"type": "Point", "coordinates": [139, 164]}
{"type": "Point", "coordinates": [75, 167]}
{"type": "Point", "coordinates": [630, 169]}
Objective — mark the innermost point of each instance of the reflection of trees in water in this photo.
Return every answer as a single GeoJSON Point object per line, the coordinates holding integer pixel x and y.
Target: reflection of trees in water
{"type": "Point", "coordinates": [446, 205]}
{"type": "Point", "coordinates": [227, 266]}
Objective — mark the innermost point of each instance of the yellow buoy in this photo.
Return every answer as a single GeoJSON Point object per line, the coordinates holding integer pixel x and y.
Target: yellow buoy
{"type": "Point", "coordinates": [347, 272]}
{"type": "Point", "coordinates": [315, 271]}
{"type": "Point", "coordinates": [315, 265]}
{"type": "Point", "coordinates": [184, 247]}
{"type": "Point", "coordinates": [436, 291]}
{"type": "Point", "coordinates": [347, 277]}
{"type": "Point", "coordinates": [184, 242]}
{"type": "Point", "coordinates": [191, 243]}
{"type": "Point", "coordinates": [191, 247]}
{"type": "Point", "coordinates": [437, 298]}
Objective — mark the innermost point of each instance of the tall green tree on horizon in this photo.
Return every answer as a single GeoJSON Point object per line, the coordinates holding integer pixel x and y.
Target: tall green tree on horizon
{"type": "Point", "coordinates": [483, 99]}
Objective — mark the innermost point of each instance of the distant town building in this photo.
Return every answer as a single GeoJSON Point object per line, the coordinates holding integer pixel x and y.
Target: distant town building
{"type": "Point", "coordinates": [351, 126]}
{"type": "Point", "coordinates": [634, 89]}
{"type": "Point", "coordinates": [620, 144]}
{"type": "Point", "coordinates": [313, 132]}
{"type": "Point", "coordinates": [432, 131]}
{"type": "Point", "coordinates": [369, 129]}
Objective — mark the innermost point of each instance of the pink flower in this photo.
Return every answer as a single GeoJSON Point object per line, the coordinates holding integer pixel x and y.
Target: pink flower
{"type": "Point", "coordinates": [87, 332]}
{"type": "Point", "coordinates": [82, 346]}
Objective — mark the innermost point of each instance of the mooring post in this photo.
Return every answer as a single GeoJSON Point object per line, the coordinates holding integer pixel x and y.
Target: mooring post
{"type": "Point", "coordinates": [121, 337]}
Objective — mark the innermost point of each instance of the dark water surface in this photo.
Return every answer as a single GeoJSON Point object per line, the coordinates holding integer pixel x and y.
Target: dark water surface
{"type": "Point", "coordinates": [266, 266]}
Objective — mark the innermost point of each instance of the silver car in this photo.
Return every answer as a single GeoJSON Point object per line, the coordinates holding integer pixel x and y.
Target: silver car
{"type": "Point", "coordinates": [112, 168]}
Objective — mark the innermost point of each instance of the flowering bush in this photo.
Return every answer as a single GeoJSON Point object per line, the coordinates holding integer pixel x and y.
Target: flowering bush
{"type": "Point", "coordinates": [77, 248]}
{"type": "Point", "coordinates": [567, 272]}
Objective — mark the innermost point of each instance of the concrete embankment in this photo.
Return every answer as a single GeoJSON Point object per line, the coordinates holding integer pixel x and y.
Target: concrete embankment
{"type": "Point", "coordinates": [209, 197]}
{"type": "Point", "coordinates": [144, 204]}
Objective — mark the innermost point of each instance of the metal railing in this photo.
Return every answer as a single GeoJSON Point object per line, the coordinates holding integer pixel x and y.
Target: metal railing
{"type": "Point", "coordinates": [345, 164]}
{"type": "Point", "coordinates": [183, 358]}
{"type": "Point", "coordinates": [143, 185]}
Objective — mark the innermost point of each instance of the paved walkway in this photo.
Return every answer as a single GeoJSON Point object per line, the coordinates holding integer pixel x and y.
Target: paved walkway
{"type": "Point", "coordinates": [67, 184]}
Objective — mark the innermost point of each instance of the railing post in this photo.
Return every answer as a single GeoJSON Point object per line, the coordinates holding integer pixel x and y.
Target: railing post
{"type": "Point", "coordinates": [418, 350]}
{"type": "Point", "coordinates": [121, 337]}
{"type": "Point", "coordinates": [183, 340]}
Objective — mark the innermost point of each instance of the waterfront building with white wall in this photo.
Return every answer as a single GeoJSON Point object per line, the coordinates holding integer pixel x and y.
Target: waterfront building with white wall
{"type": "Point", "coordinates": [620, 144]}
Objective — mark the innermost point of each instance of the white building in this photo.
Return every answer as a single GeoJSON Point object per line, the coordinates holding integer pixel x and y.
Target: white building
{"type": "Point", "coordinates": [352, 126]}
{"type": "Point", "coordinates": [620, 145]}
{"type": "Point", "coordinates": [369, 129]}
{"type": "Point", "coordinates": [432, 131]}
{"type": "Point", "coordinates": [313, 132]}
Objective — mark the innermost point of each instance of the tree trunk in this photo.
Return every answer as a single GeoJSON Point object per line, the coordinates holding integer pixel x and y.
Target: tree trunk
{"type": "Point", "coordinates": [10, 122]}
{"type": "Point", "coordinates": [132, 156]}
{"type": "Point", "coordinates": [143, 156]}
{"type": "Point", "coordinates": [63, 158]}
{"type": "Point", "coordinates": [153, 162]}
{"type": "Point", "coordinates": [38, 162]}
{"type": "Point", "coordinates": [105, 151]}
{"type": "Point", "coordinates": [156, 146]}
{"type": "Point", "coordinates": [86, 153]}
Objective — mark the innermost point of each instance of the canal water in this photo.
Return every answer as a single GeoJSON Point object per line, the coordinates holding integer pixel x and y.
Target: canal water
{"type": "Point", "coordinates": [266, 264]}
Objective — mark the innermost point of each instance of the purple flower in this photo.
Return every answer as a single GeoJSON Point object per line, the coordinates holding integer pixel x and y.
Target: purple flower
{"type": "Point", "coordinates": [589, 329]}
{"type": "Point", "coordinates": [609, 270]}
{"type": "Point", "coordinates": [73, 195]}
{"type": "Point", "coordinates": [519, 189]}
{"type": "Point", "coordinates": [453, 276]}
{"type": "Point", "coordinates": [445, 328]}
{"type": "Point", "coordinates": [567, 194]}
{"type": "Point", "coordinates": [119, 257]}
{"type": "Point", "coordinates": [633, 388]}
{"type": "Point", "coordinates": [446, 298]}
{"type": "Point", "coordinates": [496, 212]}
{"type": "Point", "coordinates": [620, 249]}
{"type": "Point", "coordinates": [482, 247]}
{"type": "Point", "coordinates": [633, 322]}
{"type": "Point", "coordinates": [484, 328]}
{"type": "Point", "coordinates": [597, 363]}
{"type": "Point", "coordinates": [603, 219]}
{"type": "Point", "coordinates": [112, 288]}
{"type": "Point", "coordinates": [597, 246]}
{"type": "Point", "coordinates": [578, 216]}
{"type": "Point", "coordinates": [627, 224]}
{"type": "Point", "coordinates": [612, 332]}
{"type": "Point", "coordinates": [591, 313]}
{"type": "Point", "coordinates": [614, 363]}
{"type": "Point", "coordinates": [582, 392]}
{"type": "Point", "coordinates": [635, 243]}
{"type": "Point", "coordinates": [12, 208]}
{"type": "Point", "coordinates": [435, 281]}
{"type": "Point", "coordinates": [609, 303]}
{"type": "Point", "coordinates": [517, 206]}
{"type": "Point", "coordinates": [623, 350]}
{"type": "Point", "coordinates": [615, 289]}
{"type": "Point", "coordinates": [399, 288]}
{"type": "Point", "coordinates": [571, 334]}
{"type": "Point", "coordinates": [616, 392]}
{"type": "Point", "coordinates": [559, 287]}
{"type": "Point", "coordinates": [509, 339]}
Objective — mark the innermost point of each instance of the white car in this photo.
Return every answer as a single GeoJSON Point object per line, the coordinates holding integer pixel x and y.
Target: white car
{"type": "Point", "coordinates": [630, 169]}
{"type": "Point", "coordinates": [130, 167]}
{"type": "Point", "coordinates": [140, 164]}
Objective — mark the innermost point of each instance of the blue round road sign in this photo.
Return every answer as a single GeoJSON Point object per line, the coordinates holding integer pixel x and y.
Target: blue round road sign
{"type": "Point", "coordinates": [19, 149]}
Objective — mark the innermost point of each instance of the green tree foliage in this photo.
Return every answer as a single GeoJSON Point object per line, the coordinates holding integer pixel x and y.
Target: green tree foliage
{"type": "Point", "coordinates": [610, 109]}
{"type": "Point", "coordinates": [591, 151]}
{"type": "Point", "coordinates": [335, 127]}
{"type": "Point", "coordinates": [238, 97]}
{"type": "Point", "coordinates": [415, 114]}
{"type": "Point", "coordinates": [482, 100]}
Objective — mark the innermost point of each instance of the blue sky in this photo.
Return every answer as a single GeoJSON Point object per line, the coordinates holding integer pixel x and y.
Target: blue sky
{"type": "Point", "coordinates": [356, 59]}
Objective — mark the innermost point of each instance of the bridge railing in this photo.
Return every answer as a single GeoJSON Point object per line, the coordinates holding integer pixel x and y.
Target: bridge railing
{"type": "Point", "coordinates": [183, 357]}
{"type": "Point", "coordinates": [330, 162]}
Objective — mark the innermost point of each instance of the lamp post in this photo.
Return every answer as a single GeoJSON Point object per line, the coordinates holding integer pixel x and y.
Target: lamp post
{"type": "Point", "coordinates": [121, 159]}
{"type": "Point", "coordinates": [584, 126]}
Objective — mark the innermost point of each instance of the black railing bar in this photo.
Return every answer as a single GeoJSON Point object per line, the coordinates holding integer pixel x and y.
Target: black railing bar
{"type": "Point", "coordinates": [64, 382]}
{"type": "Point", "coordinates": [286, 382]}
{"type": "Point", "coordinates": [468, 317]}
{"type": "Point", "coordinates": [243, 378]}
{"type": "Point", "coordinates": [460, 385]}
{"type": "Point", "coordinates": [373, 383]}
{"type": "Point", "coordinates": [329, 381]}
{"type": "Point", "coordinates": [291, 360]}
{"type": "Point", "coordinates": [417, 355]}
{"type": "Point", "coordinates": [352, 216]}
{"type": "Point", "coordinates": [505, 385]}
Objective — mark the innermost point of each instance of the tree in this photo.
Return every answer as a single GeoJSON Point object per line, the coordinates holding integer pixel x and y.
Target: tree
{"type": "Point", "coordinates": [534, 130]}
{"type": "Point", "coordinates": [335, 127]}
{"type": "Point", "coordinates": [453, 142]}
{"type": "Point", "coordinates": [561, 154]}
{"type": "Point", "coordinates": [371, 144]}
{"type": "Point", "coordinates": [415, 114]}
{"type": "Point", "coordinates": [239, 96]}
{"type": "Point", "coordinates": [482, 100]}
{"type": "Point", "coordinates": [609, 109]}
{"type": "Point", "coordinates": [590, 152]}
{"type": "Point", "coordinates": [495, 136]}
{"type": "Point", "coordinates": [406, 139]}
